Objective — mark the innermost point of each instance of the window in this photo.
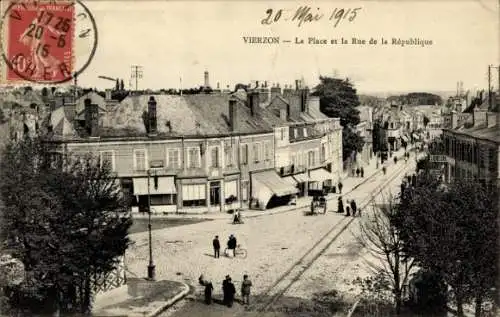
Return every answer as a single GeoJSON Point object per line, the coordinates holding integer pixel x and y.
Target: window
{"type": "Point", "coordinates": [160, 200]}
{"type": "Point", "coordinates": [256, 152]}
{"type": "Point", "coordinates": [323, 152]}
{"type": "Point", "coordinates": [173, 159]}
{"type": "Point", "coordinates": [140, 160]}
{"type": "Point", "coordinates": [214, 157]}
{"type": "Point", "coordinates": [244, 154]}
{"type": "Point", "coordinates": [311, 158]}
{"type": "Point", "coordinates": [267, 151]}
{"type": "Point", "coordinates": [231, 191]}
{"type": "Point", "coordinates": [107, 157]}
{"type": "Point", "coordinates": [229, 156]}
{"type": "Point", "coordinates": [305, 132]}
{"type": "Point", "coordinates": [295, 133]}
{"type": "Point", "coordinates": [194, 195]}
{"type": "Point", "coordinates": [194, 160]}
{"type": "Point", "coordinates": [282, 133]}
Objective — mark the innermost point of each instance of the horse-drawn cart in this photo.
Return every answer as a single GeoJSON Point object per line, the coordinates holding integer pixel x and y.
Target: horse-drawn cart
{"type": "Point", "coordinates": [318, 203]}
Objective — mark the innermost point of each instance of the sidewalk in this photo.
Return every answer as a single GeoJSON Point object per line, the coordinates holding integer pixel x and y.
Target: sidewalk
{"type": "Point", "coordinates": [349, 184]}
{"type": "Point", "coordinates": [139, 298]}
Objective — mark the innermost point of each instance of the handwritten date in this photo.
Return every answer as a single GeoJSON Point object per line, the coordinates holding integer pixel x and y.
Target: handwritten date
{"type": "Point", "coordinates": [306, 14]}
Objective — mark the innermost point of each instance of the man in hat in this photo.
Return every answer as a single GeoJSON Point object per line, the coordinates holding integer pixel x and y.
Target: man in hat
{"type": "Point", "coordinates": [216, 245]}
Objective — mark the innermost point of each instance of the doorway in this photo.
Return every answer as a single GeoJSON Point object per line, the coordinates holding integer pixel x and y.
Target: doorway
{"type": "Point", "coordinates": [215, 193]}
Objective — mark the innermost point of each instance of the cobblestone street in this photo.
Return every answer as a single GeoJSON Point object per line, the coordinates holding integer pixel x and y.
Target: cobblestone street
{"type": "Point", "coordinates": [273, 243]}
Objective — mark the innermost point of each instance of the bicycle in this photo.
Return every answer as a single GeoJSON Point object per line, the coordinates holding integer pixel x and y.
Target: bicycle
{"type": "Point", "coordinates": [238, 252]}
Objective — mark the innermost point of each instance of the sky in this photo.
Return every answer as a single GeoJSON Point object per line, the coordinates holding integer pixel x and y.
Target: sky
{"type": "Point", "coordinates": [182, 39]}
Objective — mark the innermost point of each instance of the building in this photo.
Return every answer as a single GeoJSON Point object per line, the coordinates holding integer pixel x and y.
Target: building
{"type": "Point", "coordinates": [472, 147]}
{"type": "Point", "coordinates": [206, 152]}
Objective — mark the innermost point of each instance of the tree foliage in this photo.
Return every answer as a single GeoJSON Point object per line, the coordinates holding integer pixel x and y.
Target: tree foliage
{"type": "Point", "coordinates": [65, 220]}
{"type": "Point", "coordinates": [339, 99]}
{"type": "Point", "coordinates": [452, 230]}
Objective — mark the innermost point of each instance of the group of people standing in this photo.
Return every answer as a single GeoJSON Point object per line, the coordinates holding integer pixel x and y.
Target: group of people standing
{"type": "Point", "coordinates": [231, 245]}
{"type": "Point", "coordinates": [360, 171]}
{"type": "Point", "coordinates": [228, 290]}
{"type": "Point", "coordinates": [348, 209]}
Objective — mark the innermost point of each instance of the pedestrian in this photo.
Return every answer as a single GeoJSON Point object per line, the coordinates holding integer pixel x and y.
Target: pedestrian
{"type": "Point", "coordinates": [353, 172]}
{"type": "Point", "coordinates": [229, 291]}
{"type": "Point", "coordinates": [347, 210]}
{"type": "Point", "coordinates": [384, 170]}
{"type": "Point", "coordinates": [231, 244]}
{"type": "Point", "coordinates": [357, 172]}
{"type": "Point", "coordinates": [340, 187]}
{"type": "Point", "coordinates": [225, 293]}
{"type": "Point", "coordinates": [354, 208]}
{"type": "Point", "coordinates": [395, 159]}
{"type": "Point", "coordinates": [245, 290]}
{"type": "Point", "coordinates": [208, 292]}
{"type": "Point", "coordinates": [362, 172]}
{"type": "Point", "coordinates": [340, 208]}
{"type": "Point", "coordinates": [216, 244]}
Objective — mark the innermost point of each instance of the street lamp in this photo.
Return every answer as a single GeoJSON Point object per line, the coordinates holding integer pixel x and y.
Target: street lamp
{"type": "Point", "coordinates": [151, 265]}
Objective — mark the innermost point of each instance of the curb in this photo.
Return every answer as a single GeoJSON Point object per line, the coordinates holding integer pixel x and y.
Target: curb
{"type": "Point", "coordinates": [171, 301]}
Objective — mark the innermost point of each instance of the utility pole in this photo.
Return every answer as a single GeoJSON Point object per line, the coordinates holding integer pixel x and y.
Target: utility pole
{"type": "Point", "coordinates": [489, 86]}
{"type": "Point", "coordinates": [136, 73]}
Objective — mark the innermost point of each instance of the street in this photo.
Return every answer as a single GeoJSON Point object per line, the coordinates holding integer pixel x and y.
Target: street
{"type": "Point", "coordinates": [274, 243]}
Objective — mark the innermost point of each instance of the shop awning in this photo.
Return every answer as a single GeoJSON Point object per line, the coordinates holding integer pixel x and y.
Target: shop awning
{"type": "Point", "coordinates": [301, 178]}
{"type": "Point", "coordinates": [166, 185]}
{"type": "Point", "coordinates": [290, 180]}
{"type": "Point", "coordinates": [320, 175]}
{"type": "Point", "coordinates": [275, 184]}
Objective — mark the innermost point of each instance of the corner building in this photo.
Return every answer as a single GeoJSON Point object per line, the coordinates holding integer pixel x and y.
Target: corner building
{"type": "Point", "coordinates": [206, 152]}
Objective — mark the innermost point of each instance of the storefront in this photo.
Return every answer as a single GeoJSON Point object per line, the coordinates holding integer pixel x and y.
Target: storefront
{"type": "Point", "coordinates": [320, 178]}
{"type": "Point", "coordinates": [270, 190]}
{"type": "Point", "coordinates": [160, 191]}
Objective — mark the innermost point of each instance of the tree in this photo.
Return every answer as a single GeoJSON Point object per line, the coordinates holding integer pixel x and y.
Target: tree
{"type": "Point", "coordinates": [384, 242]}
{"type": "Point", "coordinates": [338, 99]}
{"type": "Point", "coordinates": [455, 236]}
{"type": "Point", "coordinates": [122, 85]}
{"type": "Point", "coordinates": [64, 219]}
{"type": "Point", "coordinates": [117, 84]}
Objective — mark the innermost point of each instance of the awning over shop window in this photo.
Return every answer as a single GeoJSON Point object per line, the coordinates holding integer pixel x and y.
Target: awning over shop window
{"type": "Point", "coordinates": [290, 180]}
{"type": "Point", "coordinates": [268, 183]}
{"type": "Point", "coordinates": [301, 178]}
{"type": "Point", "coordinates": [320, 175]}
{"type": "Point", "coordinates": [166, 185]}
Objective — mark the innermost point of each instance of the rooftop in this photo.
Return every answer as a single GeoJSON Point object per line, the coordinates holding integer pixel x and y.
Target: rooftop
{"type": "Point", "coordinates": [201, 115]}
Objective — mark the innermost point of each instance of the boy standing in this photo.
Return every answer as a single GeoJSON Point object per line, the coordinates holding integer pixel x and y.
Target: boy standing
{"type": "Point", "coordinates": [245, 290]}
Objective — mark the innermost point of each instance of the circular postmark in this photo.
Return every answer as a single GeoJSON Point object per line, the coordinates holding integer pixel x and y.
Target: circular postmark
{"type": "Point", "coordinates": [47, 42]}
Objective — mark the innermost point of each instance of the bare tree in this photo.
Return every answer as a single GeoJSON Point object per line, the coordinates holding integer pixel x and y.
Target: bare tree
{"type": "Point", "coordinates": [385, 245]}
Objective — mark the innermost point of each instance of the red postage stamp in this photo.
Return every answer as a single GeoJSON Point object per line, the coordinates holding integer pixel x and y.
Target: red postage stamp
{"type": "Point", "coordinates": [38, 40]}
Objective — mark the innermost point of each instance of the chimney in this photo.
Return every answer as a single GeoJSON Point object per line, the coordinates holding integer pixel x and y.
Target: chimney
{"type": "Point", "coordinates": [287, 92]}
{"type": "Point", "coordinates": [491, 119]}
{"type": "Point", "coordinates": [479, 116]}
{"type": "Point", "coordinates": [275, 91]}
{"type": "Point", "coordinates": [297, 84]}
{"type": "Point", "coordinates": [295, 101]}
{"type": "Point", "coordinates": [254, 102]}
{"type": "Point", "coordinates": [313, 104]}
{"type": "Point", "coordinates": [152, 116]}
{"type": "Point", "coordinates": [91, 118]}
{"type": "Point", "coordinates": [233, 114]}
{"type": "Point", "coordinates": [256, 84]}
{"type": "Point", "coordinates": [207, 83]}
{"type": "Point", "coordinates": [108, 94]}
{"type": "Point", "coordinates": [304, 95]}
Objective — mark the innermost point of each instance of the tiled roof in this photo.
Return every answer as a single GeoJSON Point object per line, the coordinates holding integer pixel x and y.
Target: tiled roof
{"type": "Point", "coordinates": [186, 115]}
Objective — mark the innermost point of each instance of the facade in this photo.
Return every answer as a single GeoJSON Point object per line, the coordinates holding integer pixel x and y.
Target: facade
{"type": "Point", "coordinates": [365, 130]}
{"type": "Point", "coordinates": [207, 152]}
{"type": "Point", "coordinates": [472, 148]}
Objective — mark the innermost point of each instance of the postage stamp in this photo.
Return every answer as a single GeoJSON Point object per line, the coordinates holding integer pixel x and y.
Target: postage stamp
{"type": "Point", "coordinates": [38, 40]}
